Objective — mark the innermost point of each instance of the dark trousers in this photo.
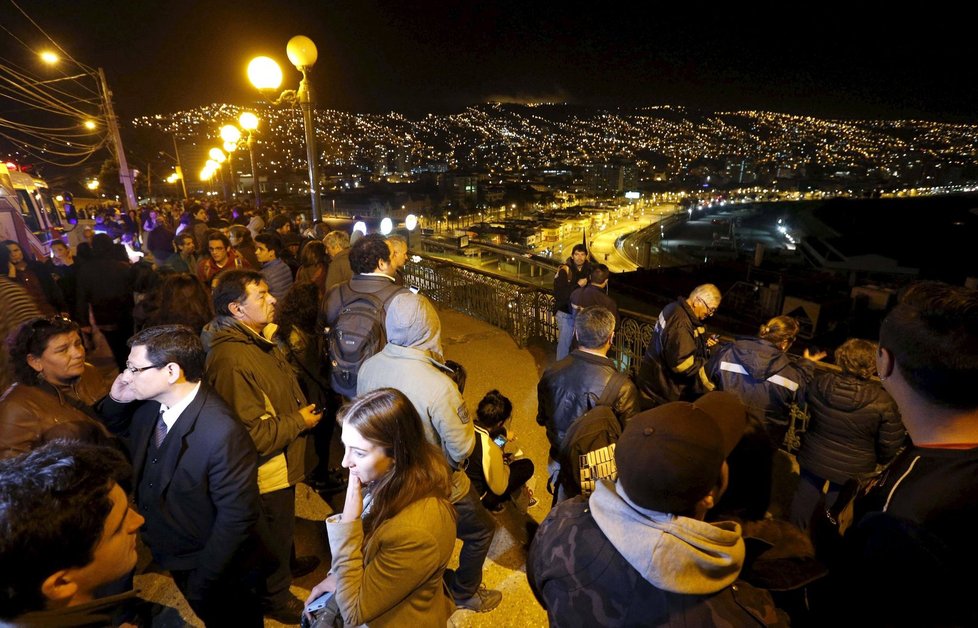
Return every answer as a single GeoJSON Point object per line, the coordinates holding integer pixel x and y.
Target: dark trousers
{"type": "Point", "coordinates": [228, 602]}
{"type": "Point", "coordinates": [475, 527]}
{"type": "Point", "coordinates": [519, 472]}
{"type": "Point", "coordinates": [808, 497]}
{"type": "Point", "coordinates": [277, 530]}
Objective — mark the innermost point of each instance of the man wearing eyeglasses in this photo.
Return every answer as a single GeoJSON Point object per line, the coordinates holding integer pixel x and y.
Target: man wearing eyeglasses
{"type": "Point", "coordinates": [195, 476]}
{"type": "Point", "coordinates": [673, 366]}
{"type": "Point", "coordinates": [220, 257]}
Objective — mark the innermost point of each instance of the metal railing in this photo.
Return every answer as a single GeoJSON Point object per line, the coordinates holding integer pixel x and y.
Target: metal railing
{"type": "Point", "coordinates": [520, 308]}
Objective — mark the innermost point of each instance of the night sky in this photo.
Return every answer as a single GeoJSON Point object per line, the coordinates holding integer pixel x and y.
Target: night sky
{"type": "Point", "coordinates": [417, 57]}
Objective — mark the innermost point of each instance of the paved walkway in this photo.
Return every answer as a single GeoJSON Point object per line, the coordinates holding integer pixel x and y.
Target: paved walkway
{"type": "Point", "coordinates": [492, 360]}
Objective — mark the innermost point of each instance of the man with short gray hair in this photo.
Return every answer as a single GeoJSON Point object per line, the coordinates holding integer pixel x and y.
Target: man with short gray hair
{"type": "Point", "coordinates": [572, 386]}
{"type": "Point", "coordinates": [673, 366]}
{"type": "Point", "coordinates": [337, 245]}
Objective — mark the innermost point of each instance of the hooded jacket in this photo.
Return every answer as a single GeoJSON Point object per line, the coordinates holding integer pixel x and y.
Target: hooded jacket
{"type": "Point", "coordinates": [854, 426]}
{"type": "Point", "coordinates": [411, 362]}
{"type": "Point", "coordinates": [255, 379]}
{"type": "Point", "coordinates": [607, 562]}
{"type": "Point", "coordinates": [761, 375]}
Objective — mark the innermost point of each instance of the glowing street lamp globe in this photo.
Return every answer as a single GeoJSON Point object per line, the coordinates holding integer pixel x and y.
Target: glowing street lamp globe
{"type": "Point", "coordinates": [217, 155]}
{"type": "Point", "coordinates": [264, 73]}
{"type": "Point", "coordinates": [301, 51]}
{"type": "Point", "coordinates": [411, 221]}
{"type": "Point", "coordinates": [230, 133]}
{"type": "Point", "coordinates": [386, 225]}
{"type": "Point", "coordinates": [248, 121]}
{"type": "Point", "coordinates": [230, 147]}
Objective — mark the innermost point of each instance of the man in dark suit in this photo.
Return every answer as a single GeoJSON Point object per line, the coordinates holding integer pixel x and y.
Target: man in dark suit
{"type": "Point", "coordinates": [196, 480]}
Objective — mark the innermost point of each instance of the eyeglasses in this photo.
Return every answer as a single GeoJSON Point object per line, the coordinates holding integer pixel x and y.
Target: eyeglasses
{"type": "Point", "coordinates": [134, 370]}
{"type": "Point", "coordinates": [710, 311]}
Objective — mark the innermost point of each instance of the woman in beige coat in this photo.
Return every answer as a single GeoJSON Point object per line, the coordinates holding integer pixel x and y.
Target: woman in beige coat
{"type": "Point", "coordinates": [396, 533]}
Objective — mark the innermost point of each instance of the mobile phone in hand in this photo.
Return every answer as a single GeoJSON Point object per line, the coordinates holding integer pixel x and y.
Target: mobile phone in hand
{"type": "Point", "coordinates": [500, 440]}
{"type": "Point", "coordinates": [320, 602]}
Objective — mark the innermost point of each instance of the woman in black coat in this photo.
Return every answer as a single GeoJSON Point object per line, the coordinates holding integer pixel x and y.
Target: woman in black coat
{"type": "Point", "coordinates": [854, 429]}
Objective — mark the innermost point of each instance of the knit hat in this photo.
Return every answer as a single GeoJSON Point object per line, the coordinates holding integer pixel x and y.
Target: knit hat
{"type": "Point", "coordinates": [670, 457]}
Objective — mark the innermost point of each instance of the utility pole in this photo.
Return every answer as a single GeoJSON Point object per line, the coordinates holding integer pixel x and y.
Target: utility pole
{"type": "Point", "coordinates": [125, 174]}
{"type": "Point", "coordinates": [176, 153]}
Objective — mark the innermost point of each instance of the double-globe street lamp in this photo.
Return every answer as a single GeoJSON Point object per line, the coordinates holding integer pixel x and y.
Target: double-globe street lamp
{"type": "Point", "coordinates": [266, 75]}
{"type": "Point", "coordinates": [232, 135]}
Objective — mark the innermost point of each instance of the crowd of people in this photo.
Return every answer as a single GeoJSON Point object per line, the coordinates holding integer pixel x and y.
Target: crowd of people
{"type": "Point", "coordinates": [183, 396]}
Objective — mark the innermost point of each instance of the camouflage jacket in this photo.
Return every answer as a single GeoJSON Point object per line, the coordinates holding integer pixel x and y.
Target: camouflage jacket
{"type": "Point", "coordinates": [582, 580]}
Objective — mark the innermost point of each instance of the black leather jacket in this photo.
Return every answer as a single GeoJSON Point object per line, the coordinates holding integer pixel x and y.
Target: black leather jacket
{"type": "Point", "coordinates": [570, 387]}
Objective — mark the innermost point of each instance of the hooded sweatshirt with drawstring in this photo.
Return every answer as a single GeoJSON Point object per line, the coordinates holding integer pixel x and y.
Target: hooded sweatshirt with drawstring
{"type": "Point", "coordinates": [605, 561]}
{"type": "Point", "coordinates": [412, 363]}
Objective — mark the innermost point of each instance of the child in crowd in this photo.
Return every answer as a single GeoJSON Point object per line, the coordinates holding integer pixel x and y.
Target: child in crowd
{"type": "Point", "coordinates": [496, 475]}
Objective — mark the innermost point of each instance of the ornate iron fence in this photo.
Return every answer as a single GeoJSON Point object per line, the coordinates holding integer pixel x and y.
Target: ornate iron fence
{"type": "Point", "coordinates": [522, 309]}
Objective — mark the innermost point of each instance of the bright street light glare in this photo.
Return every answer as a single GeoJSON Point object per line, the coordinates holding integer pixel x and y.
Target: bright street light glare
{"type": "Point", "coordinates": [49, 57]}
{"type": "Point", "coordinates": [361, 227]}
{"type": "Point", "coordinates": [411, 222]}
{"type": "Point", "coordinates": [386, 225]}
{"type": "Point", "coordinates": [89, 124]}
{"type": "Point", "coordinates": [230, 133]}
{"type": "Point", "coordinates": [217, 155]}
{"type": "Point", "coordinates": [264, 73]}
{"type": "Point", "coordinates": [230, 147]}
{"type": "Point", "coordinates": [248, 121]}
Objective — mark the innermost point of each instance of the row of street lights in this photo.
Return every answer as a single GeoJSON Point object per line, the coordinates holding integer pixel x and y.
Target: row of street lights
{"type": "Point", "coordinates": [266, 75]}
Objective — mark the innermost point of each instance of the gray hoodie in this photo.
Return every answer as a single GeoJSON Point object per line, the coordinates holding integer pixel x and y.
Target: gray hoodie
{"type": "Point", "coordinates": [673, 553]}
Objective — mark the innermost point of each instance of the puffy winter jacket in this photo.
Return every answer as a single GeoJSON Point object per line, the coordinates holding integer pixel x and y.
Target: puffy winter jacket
{"type": "Point", "coordinates": [854, 426]}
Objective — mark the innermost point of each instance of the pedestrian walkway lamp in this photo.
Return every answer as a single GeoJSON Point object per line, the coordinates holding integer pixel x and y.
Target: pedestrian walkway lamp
{"type": "Point", "coordinates": [410, 222]}
{"type": "Point", "coordinates": [249, 122]}
{"type": "Point", "coordinates": [265, 74]}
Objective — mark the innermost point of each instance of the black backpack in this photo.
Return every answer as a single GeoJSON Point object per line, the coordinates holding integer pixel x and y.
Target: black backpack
{"type": "Point", "coordinates": [587, 451]}
{"type": "Point", "coordinates": [356, 334]}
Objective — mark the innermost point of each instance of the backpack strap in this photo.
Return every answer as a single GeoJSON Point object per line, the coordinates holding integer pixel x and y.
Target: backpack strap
{"type": "Point", "coordinates": [611, 390]}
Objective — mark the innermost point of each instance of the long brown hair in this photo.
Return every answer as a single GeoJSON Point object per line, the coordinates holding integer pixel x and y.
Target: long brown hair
{"type": "Point", "coordinates": [386, 418]}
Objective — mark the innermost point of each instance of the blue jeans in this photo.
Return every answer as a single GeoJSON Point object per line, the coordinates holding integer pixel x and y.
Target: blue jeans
{"type": "Point", "coordinates": [476, 527]}
{"type": "Point", "coordinates": [565, 333]}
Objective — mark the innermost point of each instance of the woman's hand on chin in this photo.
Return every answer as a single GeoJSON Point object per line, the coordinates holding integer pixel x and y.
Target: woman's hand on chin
{"type": "Point", "coordinates": [353, 507]}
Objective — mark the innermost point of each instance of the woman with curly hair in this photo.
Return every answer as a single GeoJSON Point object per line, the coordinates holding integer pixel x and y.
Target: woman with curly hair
{"type": "Point", "coordinates": [55, 390]}
{"type": "Point", "coordinates": [395, 536]}
{"type": "Point", "coordinates": [854, 428]}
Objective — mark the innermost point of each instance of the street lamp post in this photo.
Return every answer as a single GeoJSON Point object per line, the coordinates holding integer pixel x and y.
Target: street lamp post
{"type": "Point", "coordinates": [249, 122]}
{"type": "Point", "coordinates": [265, 74]}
